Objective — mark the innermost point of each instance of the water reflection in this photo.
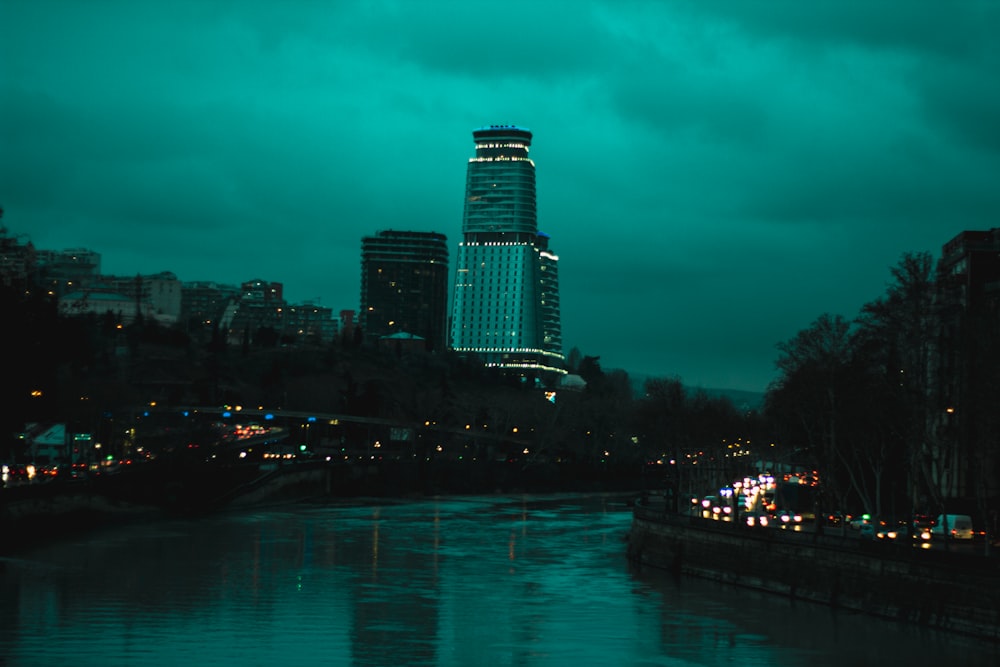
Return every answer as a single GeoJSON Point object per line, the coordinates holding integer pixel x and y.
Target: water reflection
{"type": "Point", "coordinates": [458, 581]}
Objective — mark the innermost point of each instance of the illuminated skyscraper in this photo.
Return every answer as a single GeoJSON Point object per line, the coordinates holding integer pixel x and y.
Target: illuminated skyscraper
{"type": "Point", "coordinates": [505, 307]}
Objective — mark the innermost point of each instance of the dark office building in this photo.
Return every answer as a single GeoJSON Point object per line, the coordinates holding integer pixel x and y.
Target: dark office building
{"type": "Point", "coordinates": [404, 286]}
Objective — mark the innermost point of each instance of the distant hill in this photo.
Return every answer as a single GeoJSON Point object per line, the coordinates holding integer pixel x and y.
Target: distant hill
{"type": "Point", "coordinates": [743, 400]}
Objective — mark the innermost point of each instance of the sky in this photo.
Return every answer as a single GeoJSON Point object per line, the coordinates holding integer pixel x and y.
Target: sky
{"type": "Point", "coordinates": [714, 176]}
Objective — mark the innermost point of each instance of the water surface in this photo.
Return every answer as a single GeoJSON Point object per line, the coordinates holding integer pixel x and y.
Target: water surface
{"type": "Point", "coordinates": [510, 580]}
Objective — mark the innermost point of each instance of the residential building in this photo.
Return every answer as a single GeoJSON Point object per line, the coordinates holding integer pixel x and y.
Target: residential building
{"type": "Point", "coordinates": [64, 271]}
{"type": "Point", "coordinates": [18, 261]}
{"type": "Point", "coordinates": [203, 304]}
{"type": "Point", "coordinates": [122, 308]}
{"type": "Point", "coordinates": [260, 306]}
{"type": "Point", "coordinates": [309, 323]}
{"type": "Point", "coordinates": [160, 294]}
{"type": "Point", "coordinates": [968, 308]}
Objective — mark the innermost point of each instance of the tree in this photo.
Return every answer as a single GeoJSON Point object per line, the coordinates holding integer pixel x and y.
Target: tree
{"type": "Point", "coordinates": [590, 370]}
{"type": "Point", "coordinates": [573, 360]}
{"type": "Point", "coordinates": [660, 419]}
{"type": "Point", "coordinates": [806, 401]}
{"type": "Point", "coordinates": [898, 333]}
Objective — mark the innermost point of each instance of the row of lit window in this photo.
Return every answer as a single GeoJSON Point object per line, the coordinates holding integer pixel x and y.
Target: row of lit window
{"type": "Point", "coordinates": [494, 183]}
{"type": "Point", "coordinates": [480, 144]}
{"type": "Point", "coordinates": [461, 306]}
{"type": "Point", "coordinates": [497, 208]}
{"type": "Point", "coordinates": [481, 291]}
{"type": "Point", "coordinates": [510, 266]}
{"type": "Point", "coordinates": [492, 244]}
{"type": "Point", "coordinates": [495, 332]}
{"type": "Point", "coordinates": [503, 272]}
{"type": "Point", "coordinates": [491, 324]}
{"type": "Point", "coordinates": [543, 367]}
{"type": "Point", "coordinates": [503, 159]}
{"type": "Point", "coordinates": [472, 321]}
{"type": "Point", "coordinates": [500, 350]}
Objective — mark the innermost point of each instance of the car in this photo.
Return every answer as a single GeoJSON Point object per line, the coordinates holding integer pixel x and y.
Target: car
{"type": "Point", "coordinates": [723, 512]}
{"type": "Point", "coordinates": [922, 526]}
{"type": "Point", "coordinates": [895, 532]}
{"type": "Point", "coordinates": [856, 521]}
{"type": "Point", "coordinates": [789, 519]}
{"type": "Point", "coordinates": [959, 526]}
{"type": "Point", "coordinates": [866, 531]}
{"type": "Point", "coordinates": [757, 518]}
{"type": "Point", "coordinates": [705, 505]}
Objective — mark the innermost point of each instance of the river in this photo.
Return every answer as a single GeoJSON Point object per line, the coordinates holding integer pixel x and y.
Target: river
{"type": "Point", "coordinates": [458, 581]}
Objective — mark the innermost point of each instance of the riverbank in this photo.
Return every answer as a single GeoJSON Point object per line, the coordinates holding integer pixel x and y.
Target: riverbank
{"type": "Point", "coordinates": [946, 591]}
{"type": "Point", "coordinates": [33, 514]}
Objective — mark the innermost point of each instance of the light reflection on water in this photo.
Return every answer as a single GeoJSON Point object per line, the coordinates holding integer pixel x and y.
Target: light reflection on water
{"type": "Point", "coordinates": [456, 581]}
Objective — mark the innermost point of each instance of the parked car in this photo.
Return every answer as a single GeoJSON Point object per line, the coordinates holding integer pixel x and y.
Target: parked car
{"type": "Point", "coordinates": [787, 518]}
{"type": "Point", "coordinates": [922, 525]}
{"type": "Point", "coordinates": [856, 521]}
{"type": "Point", "coordinates": [895, 532]}
{"type": "Point", "coordinates": [959, 526]}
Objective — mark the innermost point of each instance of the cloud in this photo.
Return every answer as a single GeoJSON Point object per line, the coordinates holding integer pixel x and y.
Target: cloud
{"type": "Point", "coordinates": [714, 176]}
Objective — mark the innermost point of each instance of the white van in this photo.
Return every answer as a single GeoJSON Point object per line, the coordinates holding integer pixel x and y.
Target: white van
{"type": "Point", "coordinates": [959, 526]}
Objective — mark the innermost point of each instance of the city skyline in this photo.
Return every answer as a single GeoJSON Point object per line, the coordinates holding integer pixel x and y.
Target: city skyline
{"type": "Point", "coordinates": [715, 177]}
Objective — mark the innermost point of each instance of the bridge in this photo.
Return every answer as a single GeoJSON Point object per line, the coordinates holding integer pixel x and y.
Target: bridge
{"type": "Point", "coordinates": [319, 431]}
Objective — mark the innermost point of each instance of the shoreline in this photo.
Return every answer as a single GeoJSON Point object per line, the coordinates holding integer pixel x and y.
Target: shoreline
{"type": "Point", "coordinates": [945, 591]}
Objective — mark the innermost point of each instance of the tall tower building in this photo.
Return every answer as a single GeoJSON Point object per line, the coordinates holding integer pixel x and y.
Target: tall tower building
{"type": "Point", "coordinates": [505, 307]}
{"type": "Point", "coordinates": [404, 286]}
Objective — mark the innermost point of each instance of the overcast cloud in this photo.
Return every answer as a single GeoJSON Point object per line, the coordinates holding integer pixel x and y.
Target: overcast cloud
{"type": "Point", "coordinates": [714, 175]}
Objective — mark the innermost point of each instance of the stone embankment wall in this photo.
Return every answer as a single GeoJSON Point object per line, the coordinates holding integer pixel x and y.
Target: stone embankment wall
{"type": "Point", "coordinates": [947, 591]}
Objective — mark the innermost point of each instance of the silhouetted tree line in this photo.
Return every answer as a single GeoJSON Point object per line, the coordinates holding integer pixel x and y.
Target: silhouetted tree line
{"type": "Point", "coordinates": [899, 417]}
{"type": "Point", "coordinates": [862, 401]}
{"type": "Point", "coordinates": [90, 370]}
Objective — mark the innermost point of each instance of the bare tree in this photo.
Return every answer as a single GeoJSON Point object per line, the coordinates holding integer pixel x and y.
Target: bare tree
{"type": "Point", "coordinates": [899, 332]}
{"type": "Point", "coordinates": [808, 399]}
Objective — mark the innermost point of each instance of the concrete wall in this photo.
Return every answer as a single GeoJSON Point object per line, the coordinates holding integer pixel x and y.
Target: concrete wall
{"type": "Point", "coordinates": [955, 592]}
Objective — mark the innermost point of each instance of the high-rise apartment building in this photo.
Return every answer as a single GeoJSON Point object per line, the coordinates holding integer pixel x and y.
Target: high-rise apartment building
{"type": "Point", "coordinates": [505, 307]}
{"type": "Point", "coordinates": [203, 304]}
{"type": "Point", "coordinates": [62, 271]}
{"type": "Point", "coordinates": [404, 286]}
{"type": "Point", "coordinates": [161, 293]}
{"type": "Point", "coordinates": [968, 360]}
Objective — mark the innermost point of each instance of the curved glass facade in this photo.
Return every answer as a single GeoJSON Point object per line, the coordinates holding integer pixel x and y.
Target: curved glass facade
{"type": "Point", "coordinates": [500, 183]}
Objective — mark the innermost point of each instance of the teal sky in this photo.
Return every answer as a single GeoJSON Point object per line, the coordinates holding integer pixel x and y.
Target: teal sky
{"type": "Point", "coordinates": [714, 175]}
